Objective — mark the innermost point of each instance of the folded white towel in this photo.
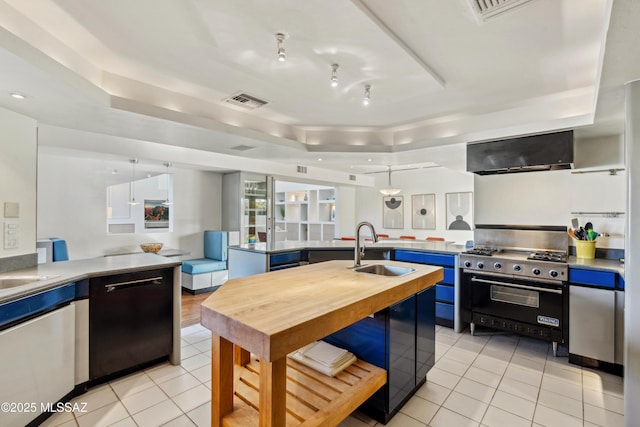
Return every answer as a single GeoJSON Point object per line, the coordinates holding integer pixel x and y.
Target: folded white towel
{"type": "Point", "coordinates": [325, 353]}
{"type": "Point", "coordinates": [323, 369]}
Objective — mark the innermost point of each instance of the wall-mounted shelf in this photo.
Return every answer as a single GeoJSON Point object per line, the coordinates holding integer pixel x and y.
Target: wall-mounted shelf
{"type": "Point", "coordinates": [605, 214]}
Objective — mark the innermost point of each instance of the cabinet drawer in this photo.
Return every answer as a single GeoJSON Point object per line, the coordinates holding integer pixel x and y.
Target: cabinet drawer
{"type": "Point", "coordinates": [449, 276]}
{"type": "Point", "coordinates": [444, 293]}
{"type": "Point", "coordinates": [426, 258]}
{"type": "Point", "coordinates": [284, 258]}
{"type": "Point", "coordinates": [444, 311]}
{"type": "Point", "coordinates": [602, 279]}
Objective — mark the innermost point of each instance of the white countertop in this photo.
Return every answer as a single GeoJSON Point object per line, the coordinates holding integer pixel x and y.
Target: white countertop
{"type": "Point", "coordinates": [59, 273]}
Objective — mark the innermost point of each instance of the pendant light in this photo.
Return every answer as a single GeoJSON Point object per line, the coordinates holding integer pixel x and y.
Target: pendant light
{"type": "Point", "coordinates": [166, 200]}
{"type": "Point", "coordinates": [133, 162]}
{"type": "Point", "coordinates": [389, 190]}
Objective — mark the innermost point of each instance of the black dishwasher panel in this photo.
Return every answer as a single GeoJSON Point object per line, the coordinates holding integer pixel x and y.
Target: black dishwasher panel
{"type": "Point", "coordinates": [130, 321]}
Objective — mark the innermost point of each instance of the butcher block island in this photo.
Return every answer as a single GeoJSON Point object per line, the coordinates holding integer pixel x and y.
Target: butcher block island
{"type": "Point", "coordinates": [257, 321]}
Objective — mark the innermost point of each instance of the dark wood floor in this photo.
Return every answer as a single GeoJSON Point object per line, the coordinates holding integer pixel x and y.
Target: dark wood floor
{"type": "Point", "coordinates": [191, 308]}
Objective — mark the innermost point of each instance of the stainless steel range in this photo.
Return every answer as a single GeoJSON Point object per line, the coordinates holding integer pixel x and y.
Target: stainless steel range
{"type": "Point", "coordinates": [515, 279]}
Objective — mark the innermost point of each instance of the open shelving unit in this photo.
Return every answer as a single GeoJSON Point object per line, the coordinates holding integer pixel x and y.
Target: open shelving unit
{"type": "Point", "coordinates": [305, 214]}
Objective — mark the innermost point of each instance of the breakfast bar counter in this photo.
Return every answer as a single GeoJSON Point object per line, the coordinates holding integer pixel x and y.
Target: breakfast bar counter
{"type": "Point", "coordinates": [268, 316]}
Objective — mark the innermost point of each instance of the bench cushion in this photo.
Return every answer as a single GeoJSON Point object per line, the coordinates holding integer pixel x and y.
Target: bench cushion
{"type": "Point", "coordinates": [202, 265]}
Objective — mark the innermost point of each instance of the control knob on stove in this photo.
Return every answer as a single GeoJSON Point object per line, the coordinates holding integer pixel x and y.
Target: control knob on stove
{"type": "Point", "coordinates": [481, 265]}
{"type": "Point", "coordinates": [467, 263]}
{"type": "Point", "coordinates": [553, 273]}
{"type": "Point", "coordinates": [516, 267]}
{"type": "Point", "coordinates": [536, 271]}
{"type": "Point", "coordinates": [497, 266]}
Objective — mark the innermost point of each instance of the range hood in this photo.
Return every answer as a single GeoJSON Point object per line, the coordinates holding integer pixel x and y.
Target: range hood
{"type": "Point", "coordinates": [550, 151]}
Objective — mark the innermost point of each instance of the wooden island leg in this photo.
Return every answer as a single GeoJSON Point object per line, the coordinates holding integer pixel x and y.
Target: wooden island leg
{"type": "Point", "coordinates": [221, 379]}
{"type": "Point", "coordinates": [273, 393]}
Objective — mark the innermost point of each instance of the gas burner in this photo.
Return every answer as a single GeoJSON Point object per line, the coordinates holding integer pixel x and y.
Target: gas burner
{"type": "Point", "coordinates": [548, 256]}
{"type": "Point", "coordinates": [482, 251]}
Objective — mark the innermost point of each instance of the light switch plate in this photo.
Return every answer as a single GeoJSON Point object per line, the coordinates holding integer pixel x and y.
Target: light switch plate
{"type": "Point", "coordinates": [11, 210]}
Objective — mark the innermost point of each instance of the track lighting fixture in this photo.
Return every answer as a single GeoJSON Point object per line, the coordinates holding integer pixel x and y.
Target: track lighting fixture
{"type": "Point", "coordinates": [334, 75]}
{"type": "Point", "coordinates": [367, 94]}
{"type": "Point", "coordinates": [133, 162]}
{"type": "Point", "coordinates": [282, 55]}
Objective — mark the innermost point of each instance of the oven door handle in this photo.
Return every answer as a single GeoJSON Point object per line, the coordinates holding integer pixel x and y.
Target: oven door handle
{"type": "Point", "coordinates": [513, 285]}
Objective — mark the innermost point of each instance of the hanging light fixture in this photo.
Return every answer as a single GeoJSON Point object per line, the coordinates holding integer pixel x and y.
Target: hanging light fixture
{"type": "Point", "coordinates": [166, 201]}
{"type": "Point", "coordinates": [389, 190]}
{"type": "Point", "coordinates": [334, 75]}
{"type": "Point", "coordinates": [132, 188]}
{"type": "Point", "coordinates": [282, 55]}
{"type": "Point", "coordinates": [367, 94]}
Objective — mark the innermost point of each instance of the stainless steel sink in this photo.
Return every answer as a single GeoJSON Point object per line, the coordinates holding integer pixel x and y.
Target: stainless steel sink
{"type": "Point", "coordinates": [11, 282]}
{"type": "Point", "coordinates": [385, 270]}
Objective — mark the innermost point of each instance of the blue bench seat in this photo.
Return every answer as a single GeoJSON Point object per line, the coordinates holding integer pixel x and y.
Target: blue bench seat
{"type": "Point", "coordinates": [202, 265]}
{"type": "Point", "coordinates": [205, 274]}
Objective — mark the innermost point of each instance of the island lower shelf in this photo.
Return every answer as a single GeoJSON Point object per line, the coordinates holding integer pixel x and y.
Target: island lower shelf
{"type": "Point", "coordinates": [312, 399]}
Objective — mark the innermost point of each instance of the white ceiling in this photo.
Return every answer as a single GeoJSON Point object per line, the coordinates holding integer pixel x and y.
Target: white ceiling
{"type": "Point", "coordinates": [159, 71]}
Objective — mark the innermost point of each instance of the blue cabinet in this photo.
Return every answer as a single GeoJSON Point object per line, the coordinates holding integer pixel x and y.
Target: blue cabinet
{"type": "Point", "coordinates": [445, 290]}
{"type": "Point", "coordinates": [399, 339]}
{"type": "Point", "coordinates": [282, 260]}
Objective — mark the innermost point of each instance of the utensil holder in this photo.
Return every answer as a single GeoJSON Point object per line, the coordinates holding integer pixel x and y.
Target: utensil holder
{"type": "Point", "coordinates": [586, 249]}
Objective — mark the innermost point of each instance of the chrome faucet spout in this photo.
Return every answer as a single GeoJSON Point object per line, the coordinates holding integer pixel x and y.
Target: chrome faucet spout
{"type": "Point", "coordinates": [358, 252]}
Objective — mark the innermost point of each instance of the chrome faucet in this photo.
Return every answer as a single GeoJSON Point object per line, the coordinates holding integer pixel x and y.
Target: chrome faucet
{"type": "Point", "coordinates": [359, 254]}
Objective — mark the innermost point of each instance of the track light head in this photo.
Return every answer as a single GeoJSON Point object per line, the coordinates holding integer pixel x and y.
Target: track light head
{"type": "Point", "coordinates": [334, 75]}
{"type": "Point", "coordinates": [282, 55]}
{"type": "Point", "coordinates": [367, 95]}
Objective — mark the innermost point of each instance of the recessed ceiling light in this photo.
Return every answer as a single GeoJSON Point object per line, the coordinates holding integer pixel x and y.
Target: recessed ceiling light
{"type": "Point", "coordinates": [17, 95]}
{"type": "Point", "coordinates": [368, 160]}
{"type": "Point", "coordinates": [319, 159]}
{"type": "Point", "coordinates": [367, 94]}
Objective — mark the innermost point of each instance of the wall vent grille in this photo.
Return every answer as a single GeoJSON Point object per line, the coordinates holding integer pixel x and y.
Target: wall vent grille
{"type": "Point", "coordinates": [242, 147]}
{"type": "Point", "coordinates": [246, 101]}
{"type": "Point", "coordinates": [485, 9]}
{"type": "Point", "coordinates": [302, 169]}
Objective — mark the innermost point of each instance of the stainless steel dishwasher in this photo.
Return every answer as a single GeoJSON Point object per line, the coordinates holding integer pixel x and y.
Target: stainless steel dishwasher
{"type": "Point", "coordinates": [130, 321]}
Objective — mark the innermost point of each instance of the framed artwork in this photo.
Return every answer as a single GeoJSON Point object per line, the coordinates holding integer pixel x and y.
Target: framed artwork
{"type": "Point", "coordinates": [459, 210]}
{"type": "Point", "coordinates": [393, 212]}
{"type": "Point", "coordinates": [423, 211]}
{"type": "Point", "coordinates": [156, 214]}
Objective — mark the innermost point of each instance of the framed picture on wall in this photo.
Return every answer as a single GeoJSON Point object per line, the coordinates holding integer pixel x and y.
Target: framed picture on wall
{"type": "Point", "coordinates": [459, 211]}
{"type": "Point", "coordinates": [423, 211]}
{"type": "Point", "coordinates": [156, 214]}
{"type": "Point", "coordinates": [393, 212]}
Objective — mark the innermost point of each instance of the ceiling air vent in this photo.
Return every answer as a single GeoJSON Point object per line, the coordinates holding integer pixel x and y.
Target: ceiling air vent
{"type": "Point", "coordinates": [302, 169]}
{"type": "Point", "coordinates": [352, 177]}
{"type": "Point", "coordinates": [245, 101]}
{"type": "Point", "coordinates": [485, 9]}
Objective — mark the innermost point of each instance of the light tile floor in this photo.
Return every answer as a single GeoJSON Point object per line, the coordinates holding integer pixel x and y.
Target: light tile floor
{"type": "Point", "coordinates": [491, 380]}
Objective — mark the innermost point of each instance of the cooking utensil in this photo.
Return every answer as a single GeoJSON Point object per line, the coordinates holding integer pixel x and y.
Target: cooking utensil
{"type": "Point", "coordinates": [575, 223]}
{"type": "Point", "coordinates": [572, 234]}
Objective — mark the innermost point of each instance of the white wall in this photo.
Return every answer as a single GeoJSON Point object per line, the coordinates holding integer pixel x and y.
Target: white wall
{"type": "Point", "coordinates": [18, 148]}
{"type": "Point", "coordinates": [549, 198]}
{"type": "Point", "coordinates": [72, 206]}
{"type": "Point", "coordinates": [438, 181]}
